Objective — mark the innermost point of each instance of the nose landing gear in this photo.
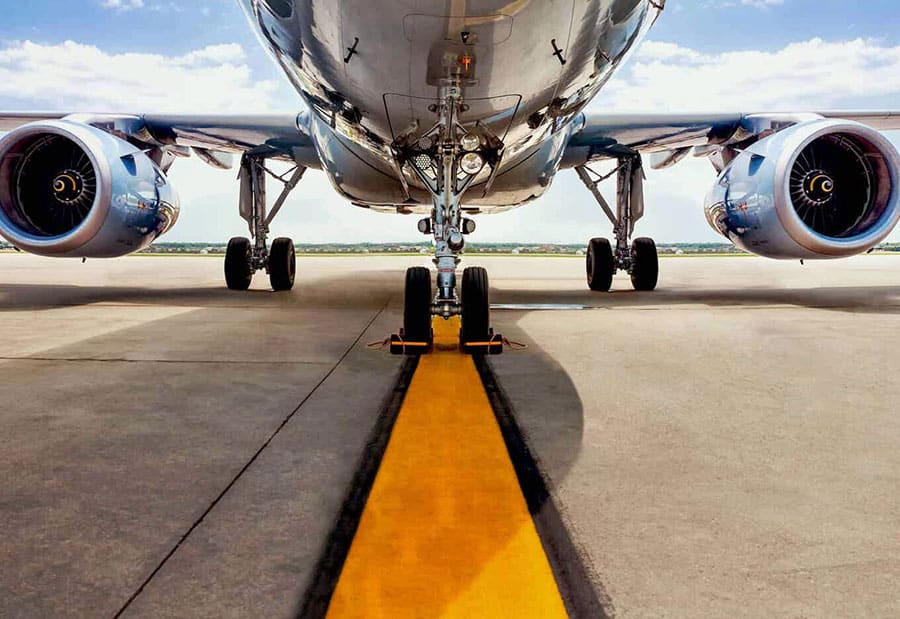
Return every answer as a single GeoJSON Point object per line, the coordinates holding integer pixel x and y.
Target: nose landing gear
{"type": "Point", "coordinates": [447, 159]}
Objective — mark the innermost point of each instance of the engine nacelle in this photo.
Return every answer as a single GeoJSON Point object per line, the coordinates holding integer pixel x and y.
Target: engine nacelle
{"type": "Point", "coordinates": [820, 189]}
{"type": "Point", "coordinates": [70, 190]}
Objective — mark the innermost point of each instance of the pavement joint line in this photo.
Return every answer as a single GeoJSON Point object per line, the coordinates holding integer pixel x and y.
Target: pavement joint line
{"type": "Point", "coordinates": [248, 464]}
{"type": "Point", "coordinates": [178, 361]}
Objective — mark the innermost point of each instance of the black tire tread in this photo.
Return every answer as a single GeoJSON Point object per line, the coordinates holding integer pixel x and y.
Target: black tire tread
{"type": "Point", "coordinates": [238, 272]}
{"type": "Point", "coordinates": [601, 265]}
{"type": "Point", "coordinates": [645, 264]}
{"type": "Point", "coordinates": [476, 309]}
{"type": "Point", "coordinates": [417, 305]}
{"type": "Point", "coordinates": [282, 264]}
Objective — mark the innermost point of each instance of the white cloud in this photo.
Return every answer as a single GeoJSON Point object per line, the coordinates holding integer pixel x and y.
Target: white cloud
{"type": "Point", "coordinates": [813, 74]}
{"type": "Point", "coordinates": [122, 5]}
{"type": "Point", "coordinates": [72, 76]}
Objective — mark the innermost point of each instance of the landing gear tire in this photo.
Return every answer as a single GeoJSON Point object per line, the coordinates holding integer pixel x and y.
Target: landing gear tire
{"type": "Point", "coordinates": [417, 305]}
{"type": "Point", "coordinates": [282, 264]}
{"type": "Point", "coordinates": [238, 270]}
{"type": "Point", "coordinates": [601, 265]}
{"type": "Point", "coordinates": [476, 308]}
{"type": "Point", "coordinates": [644, 264]}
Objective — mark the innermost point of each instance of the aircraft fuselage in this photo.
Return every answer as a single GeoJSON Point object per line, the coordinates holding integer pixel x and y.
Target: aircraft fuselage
{"type": "Point", "coordinates": [371, 71]}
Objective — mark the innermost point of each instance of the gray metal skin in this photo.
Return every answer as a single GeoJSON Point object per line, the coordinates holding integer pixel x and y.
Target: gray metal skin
{"type": "Point", "coordinates": [370, 72]}
{"type": "Point", "coordinates": [134, 205]}
{"type": "Point", "coordinates": [751, 205]}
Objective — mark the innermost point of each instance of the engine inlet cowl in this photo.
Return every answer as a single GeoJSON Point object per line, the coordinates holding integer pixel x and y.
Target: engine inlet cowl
{"type": "Point", "coordinates": [820, 189]}
{"type": "Point", "coordinates": [54, 186]}
{"type": "Point", "coordinates": [69, 189]}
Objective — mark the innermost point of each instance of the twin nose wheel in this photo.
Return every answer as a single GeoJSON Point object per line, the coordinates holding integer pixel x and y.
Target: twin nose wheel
{"type": "Point", "coordinates": [474, 307]}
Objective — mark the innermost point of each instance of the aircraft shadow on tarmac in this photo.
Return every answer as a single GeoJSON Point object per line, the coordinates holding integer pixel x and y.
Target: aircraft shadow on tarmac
{"type": "Point", "coordinates": [333, 293]}
{"type": "Point", "coordinates": [862, 299]}
{"type": "Point", "coordinates": [339, 292]}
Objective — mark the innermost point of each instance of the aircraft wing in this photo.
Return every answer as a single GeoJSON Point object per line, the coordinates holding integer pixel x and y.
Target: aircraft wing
{"type": "Point", "coordinates": [278, 135]}
{"type": "Point", "coordinates": [670, 137]}
{"type": "Point", "coordinates": [14, 120]}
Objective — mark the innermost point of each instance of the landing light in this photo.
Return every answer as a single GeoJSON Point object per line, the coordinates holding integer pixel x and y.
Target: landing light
{"type": "Point", "coordinates": [471, 163]}
{"type": "Point", "coordinates": [470, 142]}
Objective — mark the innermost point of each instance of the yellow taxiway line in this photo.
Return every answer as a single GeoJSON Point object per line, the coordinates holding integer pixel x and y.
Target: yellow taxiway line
{"type": "Point", "coordinates": [446, 531]}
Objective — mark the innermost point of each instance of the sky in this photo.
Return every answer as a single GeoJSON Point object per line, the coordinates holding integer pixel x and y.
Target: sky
{"type": "Point", "coordinates": [201, 56]}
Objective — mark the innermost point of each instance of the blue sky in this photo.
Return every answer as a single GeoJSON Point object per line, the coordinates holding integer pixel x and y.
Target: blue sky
{"type": "Point", "coordinates": [711, 26]}
{"type": "Point", "coordinates": [704, 25]}
{"type": "Point", "coordinates": [147, 28]}
{"type": "Point", "coordinates": [735, 55]}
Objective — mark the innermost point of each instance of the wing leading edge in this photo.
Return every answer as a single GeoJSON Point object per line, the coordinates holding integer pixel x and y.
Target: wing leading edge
{"type": "Point", "coordinates": [277, 135]}
{"type": "Point", "coordinates": [669, 137]}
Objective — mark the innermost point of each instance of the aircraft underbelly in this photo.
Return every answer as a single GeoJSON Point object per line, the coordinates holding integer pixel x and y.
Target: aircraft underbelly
{"type": "Point", "coordinates": [371, 70]}
{"type": "Point", "coordinates": [400, 46]}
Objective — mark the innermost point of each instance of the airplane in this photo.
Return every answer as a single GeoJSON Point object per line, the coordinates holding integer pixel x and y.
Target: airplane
{"type": "Point", "coordinates": [450, 110]}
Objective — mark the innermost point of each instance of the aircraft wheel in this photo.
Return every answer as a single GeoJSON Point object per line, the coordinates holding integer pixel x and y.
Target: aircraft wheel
{"type": "Point", "coordinates": [476, 308]}
{"type": "Point", "coordinates": [601, 266]}
{"type": "Point", "coordinates": [238, 270]}
{"type": "Point", "coordinates": [644, 264]}
{"type": "Point", "coordinates": [282, 264]}
{"type": "Point", "coordinates": [417, 305]}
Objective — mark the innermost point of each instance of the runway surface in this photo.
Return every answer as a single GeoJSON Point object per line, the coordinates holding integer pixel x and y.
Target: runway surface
{"type": "Point", "coordinates": [725, 446]}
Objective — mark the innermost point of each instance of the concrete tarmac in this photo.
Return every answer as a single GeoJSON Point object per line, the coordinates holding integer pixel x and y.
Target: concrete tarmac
{"type": "Point", "coordinates": [724, 446]}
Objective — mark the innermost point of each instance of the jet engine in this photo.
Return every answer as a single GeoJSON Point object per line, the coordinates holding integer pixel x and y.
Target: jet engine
{"type": "Point", "coordinates": [68, 189]}
{"type": "Point", "coordinates": [820, 189]}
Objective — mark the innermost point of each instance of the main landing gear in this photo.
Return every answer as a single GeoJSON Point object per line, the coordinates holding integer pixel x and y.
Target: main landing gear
{"type": "Point", "coordinates": [244, 257]}
{"type": "Point", "coordinates": [640, 258]}
{"type": "Point", "coordinates": [447, 158]}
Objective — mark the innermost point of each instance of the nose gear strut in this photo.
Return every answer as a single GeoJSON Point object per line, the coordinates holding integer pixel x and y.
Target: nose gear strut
{"type": "Point", "coordinates": [447, 159]}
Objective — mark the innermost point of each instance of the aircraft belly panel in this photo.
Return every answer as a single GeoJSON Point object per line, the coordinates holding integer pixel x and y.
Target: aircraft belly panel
{"type": "Point", "coordinates": [399, 45]}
